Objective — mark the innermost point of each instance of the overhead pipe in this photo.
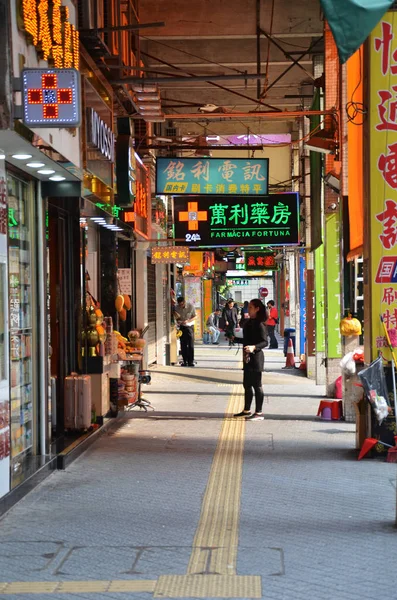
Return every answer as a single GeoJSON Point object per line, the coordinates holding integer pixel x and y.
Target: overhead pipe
{"type": "Point", "coordinates": [178, 79]}
{"type": "Point", "coordinates": [166, 146]}
{"type": "Point", "coordinates": [244, 115]}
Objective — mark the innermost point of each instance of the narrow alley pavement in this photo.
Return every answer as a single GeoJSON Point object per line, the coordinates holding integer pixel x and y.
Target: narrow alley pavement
{"type": "Point", "coordinates": [186, 502]}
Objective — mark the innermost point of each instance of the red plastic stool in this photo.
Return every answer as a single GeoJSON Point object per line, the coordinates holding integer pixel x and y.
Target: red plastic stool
{"type": "Point", "coordinates": [335, 406]}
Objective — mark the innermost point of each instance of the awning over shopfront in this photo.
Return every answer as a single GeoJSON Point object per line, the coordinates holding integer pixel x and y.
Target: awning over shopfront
{"type": "Point", "coordinates": [351, 22]}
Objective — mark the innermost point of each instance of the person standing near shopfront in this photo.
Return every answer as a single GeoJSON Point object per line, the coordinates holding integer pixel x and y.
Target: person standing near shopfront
{"type": "Point", "coordinates": [230, 316]}
{"type": "Point", "coordinates": [244, 314]}
{"type": "Point", "coordinates": [213, 326]}
{"type": "Point", "coordinates": [185, 316]}
{"type": "Point", "coordinates": [254, 340]}
{"type": "Point", "coordinates": [271, 323]}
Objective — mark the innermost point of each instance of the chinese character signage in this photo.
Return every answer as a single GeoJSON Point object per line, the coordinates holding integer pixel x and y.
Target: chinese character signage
{"type": "Point", "coordinates": [211, 176]}
{"type": "Point", "coordinates": [51, 97]}
{"type": "Point", "coordinates": [170, 254]}
{"type": "Point", "coordinates": [132, 185]}
{"type": "Point", "coordinates": [238, 282]}
{"type": "Point", "coordinates": [383, 189]}
{"type": "Point", "coordinates": [47, 25]}
{"type": "Point", "coordinates": [204, 222]}
{"type": "Point", "coordinates": [125, 281]}
{"type": "Point", "coordinates": [258, 261]}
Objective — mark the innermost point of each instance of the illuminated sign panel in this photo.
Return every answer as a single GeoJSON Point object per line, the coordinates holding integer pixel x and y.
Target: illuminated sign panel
{"type": "Point", "coordinates": [51, 97]}
{"type": "Point", "coordinates": [204, 222]}
{"type": "Point", "coordinates": [47, 26]}
{"type": "Point", "coordinates": [258, 261]}
{"type": "Point", "coordinates": [212, 176]}
{"type": "Point", "coordinates": [100, 136]}
{"type": "Point", "coordinates": [168, 255]}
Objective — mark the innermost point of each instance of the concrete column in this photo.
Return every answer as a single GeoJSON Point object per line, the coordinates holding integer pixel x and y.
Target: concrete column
{"type": "Point", "coordinates": [141, 287]}
{"type": "Point", "coordinates": [161, 339]}
{"type": "Point", "coordinates": [351, 393]}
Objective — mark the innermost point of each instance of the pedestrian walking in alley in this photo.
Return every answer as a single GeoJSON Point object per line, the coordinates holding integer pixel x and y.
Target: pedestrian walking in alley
{"type": "Point", "coordinates": [244, 313]}
{"type": "Point", "coordinates": [185, 317]}
{"type": "Point", "coordinates": [254, 340]}
{"type": "Point", "coordinates": [213, 326]}
{"type": "Point", "coordinates": [271, 323]}
{"type": "Point", "coordinates": [230, 316]}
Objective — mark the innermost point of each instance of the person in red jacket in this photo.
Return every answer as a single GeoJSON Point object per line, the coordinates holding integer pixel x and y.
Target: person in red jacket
{"type": "Point", "coordinates": [271, 323]}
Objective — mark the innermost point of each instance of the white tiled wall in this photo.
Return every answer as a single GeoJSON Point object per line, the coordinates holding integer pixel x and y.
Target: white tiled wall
{"type": "Point", "coordinates": [250, 291]}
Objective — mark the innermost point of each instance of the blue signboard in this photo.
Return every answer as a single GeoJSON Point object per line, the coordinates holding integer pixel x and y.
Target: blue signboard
{"type": "Point", "coordinates": [212, 176]}
{"type": "Point", "coordinates": [302, 302]}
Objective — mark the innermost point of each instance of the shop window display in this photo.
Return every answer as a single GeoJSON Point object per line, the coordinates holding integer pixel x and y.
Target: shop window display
{"type": "Point", "coordinates": [20, 318]}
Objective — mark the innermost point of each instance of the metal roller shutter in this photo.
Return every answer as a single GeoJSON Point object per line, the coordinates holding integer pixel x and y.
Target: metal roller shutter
{"type": "Point", "coordinates": [151, 335]}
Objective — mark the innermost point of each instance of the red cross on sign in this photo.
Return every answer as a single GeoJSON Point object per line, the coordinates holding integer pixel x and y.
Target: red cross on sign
{"type": "Point", "coordinates": [193, 216]}
{"type": "Point", "coordinates": [50, 96]}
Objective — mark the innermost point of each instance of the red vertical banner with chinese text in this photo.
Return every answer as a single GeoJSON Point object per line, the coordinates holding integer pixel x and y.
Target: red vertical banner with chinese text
{"type": "Point", "coordinates": [383, 177]}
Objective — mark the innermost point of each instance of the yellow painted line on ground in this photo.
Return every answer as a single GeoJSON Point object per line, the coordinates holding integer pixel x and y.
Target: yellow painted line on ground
{"type": "Point", "coordinates": [212, 569]}
{"type": "Point", "coordinates": [219, 519]}
{"type": "Point", "coordinates": [76, 587]}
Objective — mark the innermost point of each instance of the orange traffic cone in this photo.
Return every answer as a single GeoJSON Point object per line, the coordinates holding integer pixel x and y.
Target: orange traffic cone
{"type": "Point", "coordinates": [290, 360]}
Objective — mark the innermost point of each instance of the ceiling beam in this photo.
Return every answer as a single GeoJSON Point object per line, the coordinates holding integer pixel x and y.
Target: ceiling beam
{"type": "Point", "coordinates": [234, 37]}
{"type": "Point", "coordinates": [278, 63]}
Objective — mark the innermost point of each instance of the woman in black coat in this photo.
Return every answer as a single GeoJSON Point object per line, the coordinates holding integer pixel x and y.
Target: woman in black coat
{"type": "Point", "coordinates": [230, 316]}
{"type": "Point", "coordinates": [254, 340]}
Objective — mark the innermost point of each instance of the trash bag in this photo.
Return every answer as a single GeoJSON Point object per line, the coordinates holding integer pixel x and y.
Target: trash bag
{"type": "Point", "coordinates": [347, 364]}
{"type": "Point", "coordinates": [375, 387]}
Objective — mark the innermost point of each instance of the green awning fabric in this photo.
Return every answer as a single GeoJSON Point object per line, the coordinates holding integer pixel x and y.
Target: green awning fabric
{"type": "Point", "coordinates": [351, 22]}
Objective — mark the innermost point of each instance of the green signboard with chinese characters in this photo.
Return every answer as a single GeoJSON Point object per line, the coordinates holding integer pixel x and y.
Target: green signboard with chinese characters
{"type": "Point", "coordinates": [203, 222]}
{"type": "Point", "coordinates": [211, 176]}
{"type": "Point", "coordinates": [258, 261]}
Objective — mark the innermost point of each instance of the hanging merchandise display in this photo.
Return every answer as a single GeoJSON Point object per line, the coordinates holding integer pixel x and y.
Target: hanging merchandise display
{"type": "Point", "coordinates": [350, 326]}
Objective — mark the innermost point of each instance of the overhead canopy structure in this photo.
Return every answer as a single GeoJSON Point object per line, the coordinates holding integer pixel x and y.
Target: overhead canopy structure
{"type": "Point", "coordinates": [351, 22]}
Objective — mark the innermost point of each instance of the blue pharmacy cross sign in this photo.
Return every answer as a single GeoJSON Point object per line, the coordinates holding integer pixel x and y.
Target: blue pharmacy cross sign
{"type": "Point", "coordinates": [212, 176]}
{"type": "Point", "coordinates": [207, 222]}
{"type": "Point", "coordinates": [51, 97]}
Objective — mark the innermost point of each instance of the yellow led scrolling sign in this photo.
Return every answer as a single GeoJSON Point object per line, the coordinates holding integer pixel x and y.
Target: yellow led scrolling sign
{"type": "Point", "coordinates": [47, 26]}
{"type": "Point", "coordinates": [170, 254]}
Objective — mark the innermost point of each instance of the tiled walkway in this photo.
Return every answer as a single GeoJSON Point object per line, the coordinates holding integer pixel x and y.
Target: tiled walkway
{"type": "Point", "coordinates": [186, 502]}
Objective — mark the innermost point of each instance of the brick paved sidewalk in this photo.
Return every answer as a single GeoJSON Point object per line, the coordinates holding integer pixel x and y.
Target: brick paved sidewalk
{"type": "Point", "coordinates": [313, 523]}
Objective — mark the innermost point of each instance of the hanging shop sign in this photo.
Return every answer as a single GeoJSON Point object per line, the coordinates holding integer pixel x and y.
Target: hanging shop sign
{"type": "Point", "coordinates": [170, 255]}
{"type": "Point", "coordinates": [302, 301]}
{"type": "Point", "coordinates": [99, 139]}
{"type": "Point", "coordinates": [46, 24]}
{"type": "Point", "coordinates": [383, 181]}
{"type": "Point", "coordinates": [238, 282]}
{"type": "Point", "coordinates": [257, 261]}
{"type": "Point", "coordinates": [132, 185]}
{"type": "Point", "coordinates": [51, 97]}
{"type": "Point", "coordinates": [99, 135]}
{"type": "Point", "coordinates": [212, 176]}
{"type": "Point", "coordinates": [204, 222]}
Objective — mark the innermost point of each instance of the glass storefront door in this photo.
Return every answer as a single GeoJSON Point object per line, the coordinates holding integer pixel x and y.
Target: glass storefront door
{"type": "Point", "coordinates": [21, 299]}
{"type": "Point", "coordinates": [4, 359]}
